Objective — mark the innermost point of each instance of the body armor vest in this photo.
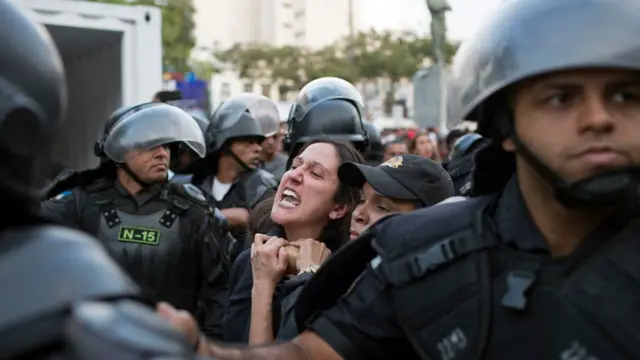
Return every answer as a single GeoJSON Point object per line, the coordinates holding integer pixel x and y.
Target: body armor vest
{"type": "Point", "coordinates": [480, 299]}
{"type": "Point", "coordinates": [156, 246]}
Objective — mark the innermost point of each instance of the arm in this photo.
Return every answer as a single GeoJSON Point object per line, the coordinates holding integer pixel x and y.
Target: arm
{"type": "Point", "coordinates": [268, 266]}
{"type": "Point", "coordinates": [307, 346]}
{"type": "Point", "coordinates": [62, 209]}
{"type": "Point", "coordinates": [360, 326]}
{"type": "Point", "coordinates": [261, 329]}
{"type": "Point", "coordinates": [236, 216]}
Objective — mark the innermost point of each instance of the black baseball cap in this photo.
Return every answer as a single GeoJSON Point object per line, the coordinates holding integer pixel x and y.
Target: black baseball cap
{"type": "Point", "coordinates": [404, 177]}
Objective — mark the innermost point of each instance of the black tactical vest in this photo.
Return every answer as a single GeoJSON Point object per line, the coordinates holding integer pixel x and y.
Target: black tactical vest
{"type": "Point", "coordinates": [158, 245]}
{"type": "Point", "coordinates": [464, 295]}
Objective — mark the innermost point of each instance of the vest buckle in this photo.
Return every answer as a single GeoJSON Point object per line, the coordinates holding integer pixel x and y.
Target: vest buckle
{"type": "Point", "coordinates": [519, 281]}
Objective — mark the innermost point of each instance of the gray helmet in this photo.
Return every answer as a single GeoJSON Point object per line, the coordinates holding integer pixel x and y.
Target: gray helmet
{"type": "Point", "coordinates": [33, 100]}
{"type": "Point", "coordinates": [527, 38]}
{"type": "Point", "coordinates": [327, 106]}
{"type": "Point", "coordinates": [116, 116]}
{"type": "Point", "coordinates": [146, 127]}
{"type": "Point", "coordinates": [268, 116]}
{"type": "Point", "coordinates": [237, 118]}
{"type": "Point", "coordinates": [203, 123]}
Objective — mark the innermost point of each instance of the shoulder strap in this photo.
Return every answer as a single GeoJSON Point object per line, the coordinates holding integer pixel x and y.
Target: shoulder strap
{"type": "Point", "coordinates": [470, 240]}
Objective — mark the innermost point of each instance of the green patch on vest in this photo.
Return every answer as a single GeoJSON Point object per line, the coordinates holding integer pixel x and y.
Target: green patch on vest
{"type": "Point", "coordinates": [139, 235]}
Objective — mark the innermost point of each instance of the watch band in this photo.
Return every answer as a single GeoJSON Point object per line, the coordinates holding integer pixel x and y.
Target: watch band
{"type": "Point", "coordinates": [310, 269]}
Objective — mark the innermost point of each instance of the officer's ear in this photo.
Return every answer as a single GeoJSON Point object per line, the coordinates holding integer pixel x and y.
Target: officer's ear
{"type": "Point", "coordinates": [339, 211]}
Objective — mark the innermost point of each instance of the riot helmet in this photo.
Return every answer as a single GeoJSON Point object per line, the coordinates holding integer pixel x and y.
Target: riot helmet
{"type": "Point", "coordinates": [203, 122]}
{"type": "Point", "coordinates": [237, 118]}
{"type": "Point", "coordinates": [375, 151]}
{"type": "Point", "coordinates": [465, 145]}
{"type": "Point", "coordinates": [326, 106]}
{"type": "Point", "coordinates": [528, 38]}
{"type": "Point", "coordinates": [98, 147]}
{"type": "Point", "coordinates": [33, 100]}
{"type": "Point", "coordinates": [268, 117]}
{"type": "Point", "coordinates": [147, 126]}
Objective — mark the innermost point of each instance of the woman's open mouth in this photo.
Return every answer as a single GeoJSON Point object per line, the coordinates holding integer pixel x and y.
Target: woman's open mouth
{"type": "Point", "coordinates": [290, 199]}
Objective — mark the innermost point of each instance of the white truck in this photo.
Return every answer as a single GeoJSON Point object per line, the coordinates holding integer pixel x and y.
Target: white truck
{"type": "Point", "coordinates": [112, 57]}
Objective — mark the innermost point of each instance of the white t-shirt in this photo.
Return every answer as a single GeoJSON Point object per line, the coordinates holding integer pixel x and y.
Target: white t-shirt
{"type": "Point", "coordinates": [219, 190]}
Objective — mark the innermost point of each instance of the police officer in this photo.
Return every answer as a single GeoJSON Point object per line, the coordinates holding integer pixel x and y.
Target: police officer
{"type": "Point", "coordinates": [274, 160]}
{"type": "Point", "coordinates": [462, 160]}
{"type": "Point", "coordinates": [541, 265]}
{"type": "Point", "coordinates": [186, 156]}
{"type": "Point", "coordinates": [326, 107]}
{"type": "Point", "coordinates": [230, 171]}
{"type": "Point", "coordinates": [62, 295]}
{"type": "Point", "coordinates": [375, 151]}
{"type": "Point", "coordinates": [164, 234]}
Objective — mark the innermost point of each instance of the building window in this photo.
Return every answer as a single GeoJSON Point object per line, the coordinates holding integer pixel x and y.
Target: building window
{"type": "Point", "coordinates": [266, 89]}
{"type": "Point", "coordinates": [287, 25]}
{"type": "Point", "coordinates": [287, 4]}
{"type": "Point", "coordinates": [248, 87]}
{"type": "Point", "coordinates": [298, 14]}
{"type": "Point", "coordinates": [225, 90]}
{"type": "Point", "coordinates": [299, 34]}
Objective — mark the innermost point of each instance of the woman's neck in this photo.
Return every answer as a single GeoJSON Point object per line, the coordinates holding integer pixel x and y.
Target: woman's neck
{"type": "Point", "coordinates": [294, 233]}
{"type": "Point", "coordinates": [562, 228]}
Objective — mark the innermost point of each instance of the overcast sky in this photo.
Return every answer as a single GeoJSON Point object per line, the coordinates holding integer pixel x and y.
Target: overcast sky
{"type": "Point", "coordinates": [464, 18]}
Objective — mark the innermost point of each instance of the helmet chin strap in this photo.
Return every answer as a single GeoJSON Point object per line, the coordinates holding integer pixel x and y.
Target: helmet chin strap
{"type": "Point", "coordinates": [227, 150]}
{"type": "Point", "coordinates": [605, 189]}
{"type": "Point", "coordinates": [135, 177]}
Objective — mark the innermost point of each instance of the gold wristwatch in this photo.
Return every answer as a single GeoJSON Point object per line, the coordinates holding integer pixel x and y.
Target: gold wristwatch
{"type": "Point", "coordinates": [310, 269]}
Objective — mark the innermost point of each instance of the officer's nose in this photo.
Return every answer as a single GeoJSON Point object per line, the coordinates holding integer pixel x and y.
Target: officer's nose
{"type": "Point", "coordinates": [162, 152]}
{"type": "Point", "coordinates": [256, 147]}
{"type": "Point", "coordinates": [596, 115]}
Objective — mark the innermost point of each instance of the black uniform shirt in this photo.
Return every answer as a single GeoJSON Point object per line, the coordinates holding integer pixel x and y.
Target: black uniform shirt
{"type": "Point", "coordinates": [364, 325]}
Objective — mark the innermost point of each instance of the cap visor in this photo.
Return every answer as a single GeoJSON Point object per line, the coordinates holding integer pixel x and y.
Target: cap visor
{"type": "Point", "coordinates": [383, 183]}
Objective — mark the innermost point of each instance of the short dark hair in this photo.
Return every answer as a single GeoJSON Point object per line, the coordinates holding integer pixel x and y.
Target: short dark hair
{"type": "Point", "coordinates": [336, 233]}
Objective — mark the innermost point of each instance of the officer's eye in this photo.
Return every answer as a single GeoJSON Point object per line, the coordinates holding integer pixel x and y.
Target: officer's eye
{"type": "Point", "coordinates": [316, 175]}
{"type": "Point", "coordinates": [625, 96]}
{"type": "Point", "coordinates": [559, 99]}
{"type": "Point", "coordinates": [383, 208]}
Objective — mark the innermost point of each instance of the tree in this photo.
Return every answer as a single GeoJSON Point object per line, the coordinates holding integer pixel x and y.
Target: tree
{"type": "Point", "coordinates": [389, 55]}
{"type": "Point", "coordinates": [250, 60]}
{"type": "Point", "coordinates": [330, 61]}
{"type": "Point", "coordinates": [177, 29]}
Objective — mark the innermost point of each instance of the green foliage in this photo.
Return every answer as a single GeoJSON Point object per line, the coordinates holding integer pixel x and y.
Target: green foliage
{"type": "Point", "coordinates": [367, 56]}
{"type": "Point", "coordinates": [177, 29]}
